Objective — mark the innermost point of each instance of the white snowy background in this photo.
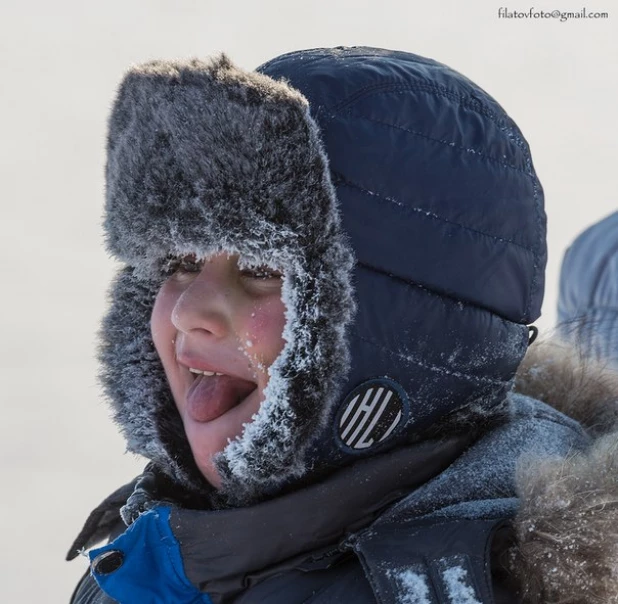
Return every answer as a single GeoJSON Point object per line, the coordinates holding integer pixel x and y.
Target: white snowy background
{"type": "Point", "coordinates": [59, 65]}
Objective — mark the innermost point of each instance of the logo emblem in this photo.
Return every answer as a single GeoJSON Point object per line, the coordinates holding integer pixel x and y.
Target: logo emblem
{"type": "Point", "coordinates": [370, 414]}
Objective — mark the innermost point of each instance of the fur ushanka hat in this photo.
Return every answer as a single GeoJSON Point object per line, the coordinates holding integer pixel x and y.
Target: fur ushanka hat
{"type": "Point", "coordinates": [401, 204]}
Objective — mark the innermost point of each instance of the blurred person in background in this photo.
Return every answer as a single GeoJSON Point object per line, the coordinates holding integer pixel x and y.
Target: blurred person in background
{"type": "Point", "coordinates": [330, 268]}
{"type": "Point", "coordinates": [588, 302]}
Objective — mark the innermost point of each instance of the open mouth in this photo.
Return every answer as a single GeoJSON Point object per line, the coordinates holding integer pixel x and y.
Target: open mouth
{"type": "Point", "coordinates": [212, 394]}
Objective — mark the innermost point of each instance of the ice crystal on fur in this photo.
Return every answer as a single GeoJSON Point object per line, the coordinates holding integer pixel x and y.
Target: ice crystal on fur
{"type": "Point", "coordinates": [567, 527]}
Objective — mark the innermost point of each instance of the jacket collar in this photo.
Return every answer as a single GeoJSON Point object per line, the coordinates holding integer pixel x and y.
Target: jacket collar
{"type": "Point", "coordinates": [318, 516]}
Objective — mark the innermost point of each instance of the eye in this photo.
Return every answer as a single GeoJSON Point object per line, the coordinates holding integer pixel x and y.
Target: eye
{"type": "Point", "coordinates": [182, 265]}
{"type": "Point", "coordinates": [261, 273]}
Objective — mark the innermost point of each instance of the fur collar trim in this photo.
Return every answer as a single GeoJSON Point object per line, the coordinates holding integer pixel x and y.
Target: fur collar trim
{"type": "Point", "coordinates": [567, 524]}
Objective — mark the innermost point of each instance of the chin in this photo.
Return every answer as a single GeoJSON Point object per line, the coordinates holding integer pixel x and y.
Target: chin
{"type": "Point", "coordinates": [210, 474]}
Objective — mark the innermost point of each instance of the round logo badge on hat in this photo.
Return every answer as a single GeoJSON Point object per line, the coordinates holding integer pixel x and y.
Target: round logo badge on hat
{"type": "Point", "coordinates": [371, 414]}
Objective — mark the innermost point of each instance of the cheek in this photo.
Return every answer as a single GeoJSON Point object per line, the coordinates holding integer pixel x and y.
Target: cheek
{"type": "Point", "coordinates": [265, 329]}
{"type": "Point", "coordinates": [161, 327]}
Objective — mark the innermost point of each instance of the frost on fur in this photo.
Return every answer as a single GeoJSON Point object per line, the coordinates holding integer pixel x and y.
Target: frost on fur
{"type": "Point", "coordinates": [567, 527]}
{"type": "Point", "coordinates": [563, 376]}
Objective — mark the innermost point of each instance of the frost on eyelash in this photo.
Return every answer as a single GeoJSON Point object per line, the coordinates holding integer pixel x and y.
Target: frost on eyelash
{"type": "Point", "coordinates": [262, 267]}
{"type": "Point", "coordinates": [171, 263]}
{"type": "Point", "coordinates": [256, 264]}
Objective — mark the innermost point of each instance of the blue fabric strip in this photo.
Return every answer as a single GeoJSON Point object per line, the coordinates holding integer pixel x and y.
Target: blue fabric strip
{"type": "Point", "coordinates": [149, 564]}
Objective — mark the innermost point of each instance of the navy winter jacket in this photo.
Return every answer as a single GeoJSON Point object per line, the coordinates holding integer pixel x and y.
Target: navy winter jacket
{"type": "Point", "coordinates": [429, 523]}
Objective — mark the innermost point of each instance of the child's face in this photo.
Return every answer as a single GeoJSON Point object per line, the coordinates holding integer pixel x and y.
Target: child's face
{"type": "Point", "coordinates": [212, 316]}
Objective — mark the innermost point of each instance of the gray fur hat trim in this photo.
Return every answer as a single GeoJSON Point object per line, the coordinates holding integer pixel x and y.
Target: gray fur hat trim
{"type": "Point", "coordinates": [205, 158]}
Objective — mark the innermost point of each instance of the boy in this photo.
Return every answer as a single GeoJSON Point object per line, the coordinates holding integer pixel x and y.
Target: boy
{"type": "Point", "coordinates": [332, 263]}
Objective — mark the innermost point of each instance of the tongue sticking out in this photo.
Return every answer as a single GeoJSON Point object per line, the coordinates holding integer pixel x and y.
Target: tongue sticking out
{"type": "Point", "coordinates": [209, 397]}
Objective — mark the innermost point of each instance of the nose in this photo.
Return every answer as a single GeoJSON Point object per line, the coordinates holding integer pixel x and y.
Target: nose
{"type": "Point", "coordinates": [205, 303]}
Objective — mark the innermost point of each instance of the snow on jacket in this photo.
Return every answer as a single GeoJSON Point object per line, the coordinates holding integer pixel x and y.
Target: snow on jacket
{"type": "Point", "coordinates": [400, 203]}
{"type": "Point", "coordinates": [588, 302]}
